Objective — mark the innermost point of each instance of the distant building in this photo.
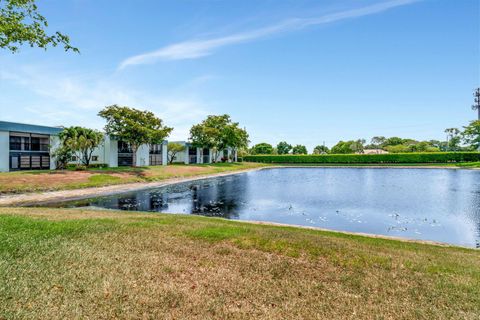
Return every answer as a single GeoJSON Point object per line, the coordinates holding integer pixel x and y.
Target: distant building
{"type": "Point", "coordinates": [116, 153]}
{"type": "Point", "coordinates": [194, 155]}
{"type": "Point", "coordinates": [373, 151]}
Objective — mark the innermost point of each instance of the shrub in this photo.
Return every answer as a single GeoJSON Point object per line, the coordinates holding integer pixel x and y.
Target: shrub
{"type": "Point", "coordinates": [427, 157]}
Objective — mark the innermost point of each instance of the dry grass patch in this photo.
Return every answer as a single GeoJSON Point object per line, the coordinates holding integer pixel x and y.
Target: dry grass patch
{"type": "Point", "coordinates": [35, 181]}
{"type": "Point", "coordinates": [60, 264]}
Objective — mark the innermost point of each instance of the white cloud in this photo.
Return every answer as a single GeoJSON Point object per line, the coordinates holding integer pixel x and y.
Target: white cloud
{"type": "Point", "coordinates": [67, 100]}
{"type": "Point", "coordinates": [193, 49]}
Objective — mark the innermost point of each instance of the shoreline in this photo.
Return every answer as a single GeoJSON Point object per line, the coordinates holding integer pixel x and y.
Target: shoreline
{"type": "Point", "coordinates": [25, 199]}
{"type": "Point", "coordinates": [360, 234]}
{"type": "Point", "coordinates": [31, 198]}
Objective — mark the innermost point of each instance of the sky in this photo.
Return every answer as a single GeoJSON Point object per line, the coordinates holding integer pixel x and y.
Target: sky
{"type": "Point", "coordinates": [304, 71]}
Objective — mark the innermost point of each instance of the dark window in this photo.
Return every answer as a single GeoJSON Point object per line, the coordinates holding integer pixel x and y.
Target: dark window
{"type": "Point", "coordinates": [156, 149]}
{"type": "Point", "coordinates": [155, 159]}
{"type": "Point", "coordinates": [94, 158]}
{"type": "Point", "coordinates": [16, 143]}
{"type": "Point", "coordinates": [124, 147]}
{"type": "Point", "coordinates": [29, 143]}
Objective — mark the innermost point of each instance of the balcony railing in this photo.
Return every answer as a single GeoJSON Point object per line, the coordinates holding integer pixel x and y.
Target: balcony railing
{"type": "Point", "coordinates": [192, 159]}
{"type": "Point", "coordinates": [25, 146]}
{"type": "Point", "coordinates": [206, 159]}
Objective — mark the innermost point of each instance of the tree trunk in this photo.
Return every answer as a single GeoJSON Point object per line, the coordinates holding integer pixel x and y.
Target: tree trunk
{"type": "Point", "coordinates": [134, 156]}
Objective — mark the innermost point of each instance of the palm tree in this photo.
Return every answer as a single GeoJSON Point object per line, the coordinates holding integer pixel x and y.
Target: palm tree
{"type": "Point", "coordinates": [476, 105]}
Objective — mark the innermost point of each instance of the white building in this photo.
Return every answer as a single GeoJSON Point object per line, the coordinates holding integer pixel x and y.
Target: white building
{"type": "Point", "coordinates": [30, 147]}
{"type": "Point", "coordinates": [194, 155]}
{"type": "Point", "coordinates": [116, 153]}
{"type": "Point", "coordinates": [27, 147]}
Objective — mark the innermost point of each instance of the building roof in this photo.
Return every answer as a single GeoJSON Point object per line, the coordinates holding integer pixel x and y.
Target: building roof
{"type": "Point", "coordinates": [29, 128]}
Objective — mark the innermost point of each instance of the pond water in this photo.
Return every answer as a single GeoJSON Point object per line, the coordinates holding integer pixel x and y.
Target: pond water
{"type": "Point", "coordinates": [429, 204]}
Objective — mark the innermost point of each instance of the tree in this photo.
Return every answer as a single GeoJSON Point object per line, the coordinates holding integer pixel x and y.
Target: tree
{"type": "Point", "coordinates": [218, 132]}
{"type": "Point", "coordinates": [471, 135]}
{"type": "Point", "coordinates": [320, 149]}
{"type": "Point", "coordinates": [284, 148]}
{"type": "Point", "coordinates": [262, 148]}
{"type": "Point", "coordinates": [81, 141]}
{"type": "Point", "coordinates": [393, 141]}
{"type": "Point", "coordinates": [377, 142]}
{"type": "Point", "coordinates": [236, 138]}
{"type": "Point", "coordinates": [134, 127]}
{"type": "Point", "coordinates": [454, 139]}
{"type": "Point", "coordinates": [21, 23]}
{"type": "Point", "coordinates": [476, 104]}
{"type": "Point", "coordinates": [62, 155]}
{"type": "Point", "coordinates": [299, 149]}
{"type": "Point", "coordinates": [173, 149]}
{"type": "Point", "coordinates": [342, 147]}
{"type": "Point", "coordinates": [357, 146]}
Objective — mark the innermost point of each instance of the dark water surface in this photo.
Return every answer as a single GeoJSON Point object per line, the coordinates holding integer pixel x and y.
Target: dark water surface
{"type": "Point", "coordinates": [428, 204]}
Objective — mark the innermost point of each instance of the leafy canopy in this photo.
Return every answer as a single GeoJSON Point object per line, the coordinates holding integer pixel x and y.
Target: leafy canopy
{"type": "Point", "coordinates": [345, 147]}
{"type": "Point", "coordinates": [284, 148]}
{"type": "Point", "coordinates": [321, 149]}
{"type": "Point", "coordinates": [81, 141]}
{"type": "Point", "coordinates": [471, 135]}
{"type": "Point", "coordinates": [262, 148]}
{"type": "Point", "coordinates": [218, 132]}
{"type": "Point", "coordinates": [21, 23]}
{"type": "Point", "coordinates": [173, 149]}
{"type": "Point", "coordinates": [299, 149]}
{"type": "Point", "coordinates": [134, 126]}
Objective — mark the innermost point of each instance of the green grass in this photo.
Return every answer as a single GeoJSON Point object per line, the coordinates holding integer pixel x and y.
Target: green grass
{"type": "Point", "coordinates": [68, 263]}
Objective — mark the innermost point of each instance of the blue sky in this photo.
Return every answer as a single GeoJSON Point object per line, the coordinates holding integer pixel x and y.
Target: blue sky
{"type": "Point", "coordinates": [303, 71]}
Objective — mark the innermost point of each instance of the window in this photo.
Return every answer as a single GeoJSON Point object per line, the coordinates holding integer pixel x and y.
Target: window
{"type": "Point", "coordinates": [94, 158]}
{"type": "Point", "coordinates": [74, 158]}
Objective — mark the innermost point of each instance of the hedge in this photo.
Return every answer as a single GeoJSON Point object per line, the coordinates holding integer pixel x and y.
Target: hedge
{"type": "Point", "coordinates": [424, 157]}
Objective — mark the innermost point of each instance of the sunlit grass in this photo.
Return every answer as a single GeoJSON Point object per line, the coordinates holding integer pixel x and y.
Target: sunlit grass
{"type": "Point", "coordinates": [70, 263]}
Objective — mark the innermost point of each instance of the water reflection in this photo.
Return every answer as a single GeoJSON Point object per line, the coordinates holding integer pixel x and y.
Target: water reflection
{"type": "Point", "coordinates": [439, 205]}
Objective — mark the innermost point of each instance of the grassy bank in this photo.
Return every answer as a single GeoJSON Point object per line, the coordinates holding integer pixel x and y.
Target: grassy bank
{"type": "Point", "coordinates": [33, 181]}
{"type": "Point", "coordinates": [57, 263]}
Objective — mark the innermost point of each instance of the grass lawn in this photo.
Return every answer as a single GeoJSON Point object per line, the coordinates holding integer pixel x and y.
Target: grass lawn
{"type": "Point", "coordinates": [33, 181]}
{"type": "Point", "coordinates": [68, 263]}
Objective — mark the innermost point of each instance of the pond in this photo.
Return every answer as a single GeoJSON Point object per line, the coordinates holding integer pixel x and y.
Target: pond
{"type": "Point", "coordinates": [428, 204]}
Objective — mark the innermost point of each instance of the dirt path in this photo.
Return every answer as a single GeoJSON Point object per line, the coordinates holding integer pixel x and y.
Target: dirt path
{"type": "Point", "coordinates": [77, 194]}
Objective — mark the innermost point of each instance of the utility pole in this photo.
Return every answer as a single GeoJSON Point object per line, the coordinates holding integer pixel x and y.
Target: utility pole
{"type": "Point", "coordinates": [476, 104]}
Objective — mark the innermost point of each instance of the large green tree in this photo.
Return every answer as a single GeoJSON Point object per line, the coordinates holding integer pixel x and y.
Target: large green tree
{"type": "Point", "coordinates": [218, 132]}
{"type": "Point", "coordinates": [20, 22]}
{"type": "Point", "coordinates": [454, 139]}
{"type": "Point", "coordinates": [133, 126]}
{"type": "Point", "coordinates": [299, 149]}
{"type": "Point", "coordinates": [81, 141]}
{"type": "Point", "coordinates": [345, 147]}
{"type": "Point", "coordinates": [471, 135]}
{"type": "Point", "coordinates": [262, 148]}
{"type": "Point", "coordinates": [283, 147]}
{"type": "Point", "coordinates": [320, 149]}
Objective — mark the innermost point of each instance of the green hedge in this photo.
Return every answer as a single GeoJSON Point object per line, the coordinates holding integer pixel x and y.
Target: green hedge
{"type": "Point", "coordinates": [425, 157]}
